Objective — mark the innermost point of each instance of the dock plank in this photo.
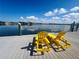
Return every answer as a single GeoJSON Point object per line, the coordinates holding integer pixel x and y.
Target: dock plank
{"type": "Point", "coordinates": [10, 48]}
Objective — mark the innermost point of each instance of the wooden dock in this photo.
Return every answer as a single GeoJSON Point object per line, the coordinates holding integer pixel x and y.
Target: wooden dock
{"type": "Point", "coordinates": [10, 48]}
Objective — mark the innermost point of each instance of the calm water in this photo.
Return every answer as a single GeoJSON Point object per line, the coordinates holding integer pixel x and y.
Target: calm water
{"type": "Point", "coordinates": [13, 30]}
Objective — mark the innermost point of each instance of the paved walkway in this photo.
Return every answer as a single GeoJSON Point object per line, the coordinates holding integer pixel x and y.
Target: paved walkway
{"type": "Point", "coordinates": [10, 48]}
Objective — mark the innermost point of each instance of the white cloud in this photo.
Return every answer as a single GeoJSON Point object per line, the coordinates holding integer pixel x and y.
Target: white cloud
{"type": "Point", "coordinates": [71, 17]}
{"type": "Point", "coordinates": [75, 9]}
{"type": "Point", "coordinates": [55, 18]}
{"type": "Point", "coordinates": [37, 20]}
{"type": "Point", "coordinates": [32, 18]}
{"type": "Point", "coordinates": [57, 21]}
{"type": "Point", "coordinates": [49, 13]}
{"type": "Point", "coordinates": [56, 12]}
{"type": "Point", "coordinates": [21, 18]}
{"type": "Point", "coordinates": [68, 18]}
{"type": "Point", "coordinates": [62, 11]}
{"type": "Point", "coordinates": [44, 20]}
{"type": "Point", "coordinates": [73, 14]}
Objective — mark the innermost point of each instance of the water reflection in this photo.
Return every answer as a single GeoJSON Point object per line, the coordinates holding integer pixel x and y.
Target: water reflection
{"type": "Point", "coordinates": [13, 30]}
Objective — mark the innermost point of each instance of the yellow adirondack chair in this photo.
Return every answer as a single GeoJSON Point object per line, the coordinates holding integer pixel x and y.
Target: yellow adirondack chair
{"type": "Point", "coordinates": [44, 40]}
{"type": "Point", "coordinates": [59, 41]}
{"type": "Point", "coordinates": [42, 43]}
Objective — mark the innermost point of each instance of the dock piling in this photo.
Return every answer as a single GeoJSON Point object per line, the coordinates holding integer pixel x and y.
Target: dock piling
{"type": "Point", "coordinates": [19, 28]}
{"type": "Point", "coordinates": [72, 26]}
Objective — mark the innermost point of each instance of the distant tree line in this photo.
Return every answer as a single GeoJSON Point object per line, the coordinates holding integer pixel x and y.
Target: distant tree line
{"type": "Point", "coordinates": [2, 23]}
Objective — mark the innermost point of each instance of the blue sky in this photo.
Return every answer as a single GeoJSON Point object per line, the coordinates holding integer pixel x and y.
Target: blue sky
{"type": "Point", "coordinates": [12, 10]}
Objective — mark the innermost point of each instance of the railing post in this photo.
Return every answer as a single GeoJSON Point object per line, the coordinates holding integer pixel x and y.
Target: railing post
{"type": "Point", "coordinates": [19, 28]}
{"type": "Point", "coordinates": [77, 26]}
{"type": "Point", "coordinates": [72, 27]}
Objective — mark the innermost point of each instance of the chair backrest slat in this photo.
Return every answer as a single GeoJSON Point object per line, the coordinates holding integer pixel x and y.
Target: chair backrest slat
{"type": "Point", "coordinates": [60, 34]}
